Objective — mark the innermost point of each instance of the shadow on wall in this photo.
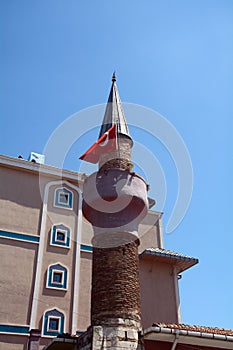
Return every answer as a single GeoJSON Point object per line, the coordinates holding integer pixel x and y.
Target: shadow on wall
{"type": "Point", "coordinates": [21, 188]}
{"type": "Point", "coordinates": [14, 340]}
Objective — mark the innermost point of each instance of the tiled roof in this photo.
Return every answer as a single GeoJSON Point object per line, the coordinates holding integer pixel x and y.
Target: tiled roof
{"type": "Point", "coordinates": [165, 252]}
{"type": "Point", "coordinates": [182, 261]}
{"type": "Point", "coordinates": [200, 329]}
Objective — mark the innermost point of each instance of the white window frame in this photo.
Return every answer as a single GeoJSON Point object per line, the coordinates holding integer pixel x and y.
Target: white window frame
{"type": "Point", "coordinates": [65, 194]}
{"type": "Point", "coordinates": [47, 317]}
{"type": "Point", "coordinates": [53, 236]}
{"type": "Point", "coordinates": [60, 272]}
{"type": "Point", "coordinates": [62, 231]}
{"type": "Point", "coordinates": [51, 284]}
{"type": "Point", "coordinates": [59, 324]}
{"type": "Point", "coordinates": [59, 191]}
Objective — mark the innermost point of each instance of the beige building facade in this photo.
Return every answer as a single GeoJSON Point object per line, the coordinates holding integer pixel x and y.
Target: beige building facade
{"type": "Point", "coordinates": [46, 257]}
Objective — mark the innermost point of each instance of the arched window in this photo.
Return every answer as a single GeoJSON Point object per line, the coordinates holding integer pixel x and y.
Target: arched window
{"type": "Point", "coordinates": [63, 198]}
{"type": "Point", "coordinates": [53, 323]}
{"type": "Point", "coordinates": [57, 277]}
{"type": "Point", "coordinates": [60, 236]}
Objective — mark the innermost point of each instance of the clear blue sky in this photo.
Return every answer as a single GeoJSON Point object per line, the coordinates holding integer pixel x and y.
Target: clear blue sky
{"type": "Point", "coordinates": [175, 57]}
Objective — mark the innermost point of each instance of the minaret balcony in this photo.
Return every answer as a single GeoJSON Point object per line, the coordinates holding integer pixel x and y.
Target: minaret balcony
{"type": "Point", "coordinates": [114, 202]}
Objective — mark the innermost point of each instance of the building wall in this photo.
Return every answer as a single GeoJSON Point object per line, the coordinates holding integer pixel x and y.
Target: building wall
{"type": "Point", "coordinates": [13, 342]}
{"type": "Point", "coordinates": [84, 308]}
{"type": "Point", "coordinates": [52, 255]}
{"type": "Point", "coordinates": [87, 232]}
{"type": "Point", "coordinates": [17, 278]}
{"type": "Point", "coordinates": [26, 224]}
{"type": "Point", "coordinates": [150, 231]}
{"type": "Point", "coordinates": [190, 345]}
{"type": "Point", "coordinates": [22, 214]}
{"type": "Point", "coordinates": [20, 201]}
{"type": "Point", "coordinates": [158, 296]}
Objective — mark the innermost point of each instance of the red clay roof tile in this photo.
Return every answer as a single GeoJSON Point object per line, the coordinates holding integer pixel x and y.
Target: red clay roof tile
{"type": "Point", "coordinates": [201, 329]}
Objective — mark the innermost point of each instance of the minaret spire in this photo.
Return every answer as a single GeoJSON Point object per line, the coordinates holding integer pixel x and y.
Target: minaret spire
{"type": "Point", "coordinates": [114, 113]}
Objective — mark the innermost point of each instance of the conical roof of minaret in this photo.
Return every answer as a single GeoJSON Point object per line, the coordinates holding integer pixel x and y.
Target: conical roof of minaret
{"type": "Point", "coordinates": [114, 113]}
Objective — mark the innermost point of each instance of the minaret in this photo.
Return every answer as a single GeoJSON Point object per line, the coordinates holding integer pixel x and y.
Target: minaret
{"type": "Point", "coordinates": [114, 114]}
{"type": "Point", "coordinates": [115, 202]}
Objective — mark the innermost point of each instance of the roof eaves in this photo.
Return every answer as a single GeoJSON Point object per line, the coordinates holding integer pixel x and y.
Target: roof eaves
{"type": "Point", "coordinates": [166, 330]}
{"type": "Point", "coordinates": [183, 262]}
{"type": "Point", "coordinates": [43, 169]}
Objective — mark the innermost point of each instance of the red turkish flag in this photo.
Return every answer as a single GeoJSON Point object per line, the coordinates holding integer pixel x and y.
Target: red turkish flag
{"type": "Point", "coordinates": [106, 143]}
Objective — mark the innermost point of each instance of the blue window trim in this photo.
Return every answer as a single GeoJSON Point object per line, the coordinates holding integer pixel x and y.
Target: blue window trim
{"type": "Point", "coordinates": [58, 192]}
{"type": "Point", "coordinates": [56, 285]}
{"type": "Point", "coordinates": [56, 315]}
{"type": "Point", "coordinates": [36, 239]}
{"type": "Point", "coordinates": [7, 328]}
{"type": "Point", "coordinates": [55, 241]}
{"type": "Point", "coordinates": [86, 248]}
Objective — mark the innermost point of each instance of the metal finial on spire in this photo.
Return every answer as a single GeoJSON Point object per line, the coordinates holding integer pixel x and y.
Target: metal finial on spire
{"type": "Point", "coordinates": [114, 77]}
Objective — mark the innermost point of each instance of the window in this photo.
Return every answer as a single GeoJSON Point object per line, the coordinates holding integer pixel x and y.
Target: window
{"type": "Point", "coordinates": [53, 323]}
{"type": "Point", "coordinates": [57, 277]}
{"type": "Point", "coordinates": [60, 236]}
{"type": "Point", "coordinates": [63, 198]}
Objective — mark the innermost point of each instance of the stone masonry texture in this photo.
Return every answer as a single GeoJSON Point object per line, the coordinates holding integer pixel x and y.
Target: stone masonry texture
{"type": "Point", "coordinates": [115, 283]}
{"type": "Point", "coordinates": [121, 158]}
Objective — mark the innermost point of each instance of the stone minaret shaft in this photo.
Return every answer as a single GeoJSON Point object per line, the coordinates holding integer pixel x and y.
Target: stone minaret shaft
{"type": "Point", "coordinates": [115, 202]}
